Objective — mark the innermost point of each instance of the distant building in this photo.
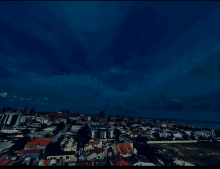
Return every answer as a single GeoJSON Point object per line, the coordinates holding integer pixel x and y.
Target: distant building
{"type": "Point", "coordinates": [11, 118]}
{"type": "Point", "coordinates": [39, 143]}
{"type": "Point", "coordinates": [102, 132]}
{"type": "Point", "coordinates": [6, 109]}
{"type": "Point", "coordinates": [59, 114]}
{"type": "Point", "coordinates": [5, 147]}
{"type": "Point", "coordinates": [29, 110]}
{"type": "Point", "coordinates": [102, 114]}
{"type": "Point", "coordinates": [65, 112]}
{"type": "Point", "coordinates": [75, 128]}
{"type": "Point", "coordinates": [88, 118]}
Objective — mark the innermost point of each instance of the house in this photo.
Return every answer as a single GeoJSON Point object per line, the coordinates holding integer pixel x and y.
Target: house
{"type": "Point", "coordinates": [143, 164]}
{"type": "Point", "coordinates": [35, 125]}
{"type": "Point", "coordinates": [50, 129]}
{"type": "Point", "coordinates": [68, 145]}
{"type": "Point", "coordinates": [52, 162]}
{"type": "Point", "coordinates": [39, 134]}
{"type": "Point", "coordinates": [97, 153]}
{"type": "Point", "coordinates": [68, 157]}
{"type": "Point", "coordinates": [124, 149]}
{"type": "Point", "coordinates": [182, 163]}
{"type": "Point", "coordinates": [39, 143]}
{"type": "Point", "coordinates": [32, 153]}
{"type": "Point", "coordinates": [177, 135]}
{"type": "Point", "coordinates": [188, 133]}
{"type": "Point", "coordinates": [118, 160]}
{"type": "Point", "coordinates": [92, 144]}
{"type": "Point", "coordinates": [85, 163]}
{"type": "Point", "coordinates": [75, 128]}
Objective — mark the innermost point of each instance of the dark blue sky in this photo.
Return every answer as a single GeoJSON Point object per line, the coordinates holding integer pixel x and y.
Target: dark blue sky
{"type": "Point", "coordinates": [154, 59]}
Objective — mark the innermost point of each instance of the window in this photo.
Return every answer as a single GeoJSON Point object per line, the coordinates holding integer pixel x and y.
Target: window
{"type": "Point", "coordinates": [61, 157]}
{"type": "Point", "coordinates": [67, 157]}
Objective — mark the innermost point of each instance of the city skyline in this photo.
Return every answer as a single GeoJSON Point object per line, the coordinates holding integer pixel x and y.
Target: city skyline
{"type": "Point", "coordinates": [149, 59]}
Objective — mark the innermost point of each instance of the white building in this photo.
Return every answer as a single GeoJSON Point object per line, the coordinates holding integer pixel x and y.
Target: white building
{"type": "Point", "coordinates": [144, 164]}
{"type": "Point", "coordinates": [102, 132]}
{"type": "Point", "coordinates": [75, 128]}
{"type": "Point", "coordinates": [23, 119]}
{"type": "Point", "coordinates": [12, 118]}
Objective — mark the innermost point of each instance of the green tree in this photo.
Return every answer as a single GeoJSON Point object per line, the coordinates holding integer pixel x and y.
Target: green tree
{"type": "Point", "coordinates": [117, 133]}
{"type": "Point", "coordinates": [26, 131]}
{"type": "Point", "coordinates": [83, 136]}
{"type": "Point", "coordinates": [20, 143]}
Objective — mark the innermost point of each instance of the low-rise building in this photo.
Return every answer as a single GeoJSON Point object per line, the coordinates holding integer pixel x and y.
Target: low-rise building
{"type": "Point", "coordinates": [75, 128]}
{"type": "Point", "coordinates": [124, 149]}
{"type": "Point", "coordinates": [5, 147]}
{"type": "Point", "coordinates": [39, 134]}
{"type": "Point", "coordinates": [143, 164]}
{"type": "Point", "coordinates": [39, 143]}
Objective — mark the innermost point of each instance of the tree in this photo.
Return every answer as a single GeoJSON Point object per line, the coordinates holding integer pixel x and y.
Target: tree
{"type": "Point", "coordinates": [26, 131]}
{"type": "Point", "coordinates": [156, 135]}
{"type": "Point", "coordinates": [117, 133]}
{"type": "Point", "coordinates": [83, 136]}
{"type": "Point", "coordinates": [20, 143]}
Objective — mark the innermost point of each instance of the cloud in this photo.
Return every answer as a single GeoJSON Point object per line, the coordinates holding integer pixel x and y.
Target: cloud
{"type": "Point", "coordinates": [4, 94]}
{"type": "Point", "coordinates": [120, 89]}
{"type": "Point", "coordinates": [175, 100]}
{"type": "Point", "coordinates": [115, 70]}
{"type": "Point", "coordinates": [201, 107]}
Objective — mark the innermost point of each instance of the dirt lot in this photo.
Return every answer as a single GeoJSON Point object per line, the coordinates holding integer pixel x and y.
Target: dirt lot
{"type": "Point", "coordinates": [204, 154]}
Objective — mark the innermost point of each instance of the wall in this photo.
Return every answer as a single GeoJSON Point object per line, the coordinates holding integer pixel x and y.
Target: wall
{"type": "Point", "coordinates": [187, 141]}
{"type": "Point", "coordinates": [71, 157]}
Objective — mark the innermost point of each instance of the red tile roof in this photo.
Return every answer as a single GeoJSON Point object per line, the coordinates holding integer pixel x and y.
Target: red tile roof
{"type": "Point", "coordinates": [119, 161]}
{"type": "Point", "coordinates": [99, 150]}
{"type": "Point", "coordinates": [124, 148]}
{"type": "Point", "coordinates": [84, 163]}
{"type": "Point", "coordinates": [59, 114]}
{"type": "Point", "coordinates": [4, 162]}
{"type": "Point", "coordinates": [11, 163]}
{"type": "Point", "coordinates": [46, 162]}
{"type": "Point", "coordinates": [90, 153]}
{"type": "Point", "coordinates": [39, 141]}
{"type": "Point", "coordinates": [28, 151]}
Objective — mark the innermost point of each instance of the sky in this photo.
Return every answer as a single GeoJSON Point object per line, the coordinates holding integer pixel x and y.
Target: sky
{"type": "Point", "coordinates": [150, 59]}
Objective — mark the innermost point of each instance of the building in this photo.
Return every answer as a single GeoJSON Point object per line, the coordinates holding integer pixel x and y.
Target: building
{"type": "Point", "coordinates": [12, 118]}
{"type": "Point", "coordinates": [88, 118]}
{"type": "Point", "coordinates": [39, 144]}
{"type": "Point", "coordinates": [143, 164]}
{"type": "Point", "coordinates": [65, 112]}
{"type": "Point", "coordinates": [102, 132]}
{"type": "Point", "coordinates": [29, 110]}
{"type": "Point", "coordinates": [6, 109]}
{"type": "Point", "coordinates": [118, 160]}
{"type": "Point", "coordinates": [39, 134]}
{"type": "Point", "coordinates": [59, 114]}
{"type": "Point", "coordinates": [124, 149]}
{"type": "Point", "coordinates": [68, 145]}
{"type": "Point", "coordinates": [75, 128]}
{"type": "Point", "coordinates": [34, 153]}
{"type": "Point", "coordinates": [102, 114]}
{"type": "Point", "coordinates": [23, 119]}
{"type": "Point", "coordinates": [5, 147]}
{"type": "Point", "coordinates": [52, 162]}
{"type": "Point", "coordinates": [97, 153]}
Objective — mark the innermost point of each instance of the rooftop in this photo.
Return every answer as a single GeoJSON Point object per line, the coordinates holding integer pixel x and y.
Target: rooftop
{"type": "Point", "coordinates": [39, 141]}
